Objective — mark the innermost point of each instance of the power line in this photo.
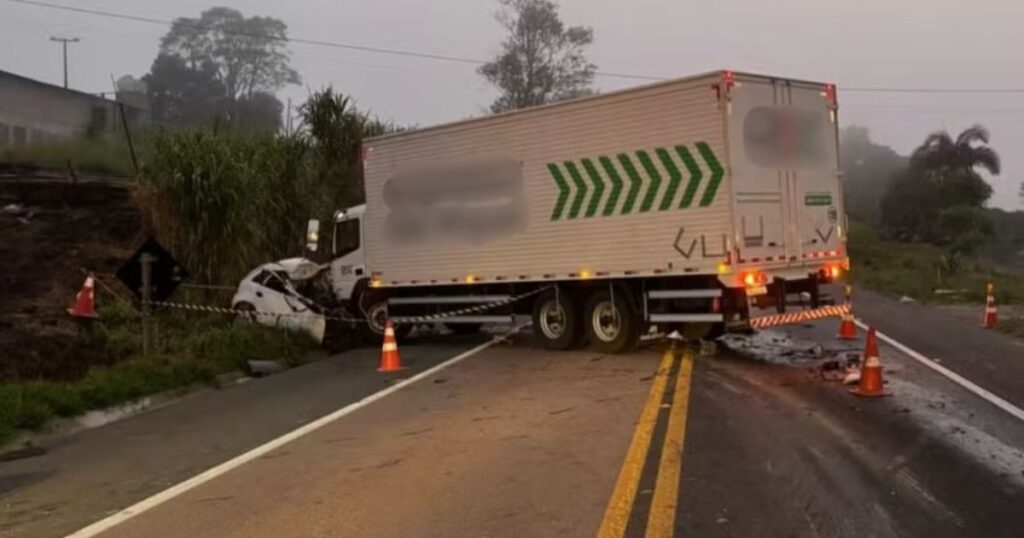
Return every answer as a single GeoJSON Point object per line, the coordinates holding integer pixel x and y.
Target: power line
{"type": "Point", "coordinates": [303, 41]}
{"type": "Point", "coordinates": [931, 90]}
{"type": "Point", "coordinates": [468, 60]}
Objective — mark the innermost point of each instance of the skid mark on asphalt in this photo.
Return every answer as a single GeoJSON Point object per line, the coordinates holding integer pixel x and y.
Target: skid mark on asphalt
{"type": "Point", "coordinates": [646, 494]}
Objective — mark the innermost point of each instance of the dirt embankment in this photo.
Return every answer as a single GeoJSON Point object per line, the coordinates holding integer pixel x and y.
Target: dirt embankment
{"type": "Point", "coordinates": [50, 229]}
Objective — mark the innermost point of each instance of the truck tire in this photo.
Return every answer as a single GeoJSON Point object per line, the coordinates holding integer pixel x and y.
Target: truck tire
{"type": "Point", "coordinates": [612, 324]}
{"type": "Point", "coordinates": [375, 309]}
{"type": "Point", "coordinates": [556, 321]}
{"type": "Point", "coordinates": [464, 328]}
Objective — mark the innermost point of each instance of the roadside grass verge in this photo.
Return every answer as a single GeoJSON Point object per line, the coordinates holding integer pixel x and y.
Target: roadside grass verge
{"type": "Point", "coordinates": [102, 155]}
{"type": "Point", "coordinates": [187, 351]}
{"type": "Point", "coordinates": [911, 269]}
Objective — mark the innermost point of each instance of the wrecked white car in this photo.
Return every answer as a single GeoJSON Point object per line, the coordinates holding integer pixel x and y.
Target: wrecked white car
{"type": "Point", "coordinates": [267, 296]}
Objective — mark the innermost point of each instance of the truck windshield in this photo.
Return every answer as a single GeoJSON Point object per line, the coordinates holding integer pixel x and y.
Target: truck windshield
{"type": "Point", "coordinates": [346, 237]}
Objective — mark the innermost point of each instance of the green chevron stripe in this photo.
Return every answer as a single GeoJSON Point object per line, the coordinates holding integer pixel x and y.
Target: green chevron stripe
{"type": "Point", "coordinates": [655, 176]}
{"type": "Point", "coordinates": [674, 178]}
{"type": "Point", "coordinates": [595, 178]}
{"type": "Point", "coordinates": [581, 189]}
{"type": "Point", "coordinates": [634, 179]}
{"type": "Point", "coordinates": [695, 176]}
{"type": "Point", "coordinates": [716, 173]}
{"type": "Point", "coordinates": [613, 175]}
{"type": "Point", "coordinates": [563, 190]}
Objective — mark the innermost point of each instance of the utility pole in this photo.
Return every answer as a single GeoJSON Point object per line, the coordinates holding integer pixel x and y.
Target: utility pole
{"type": "Point", "coordinates": [64, 42]}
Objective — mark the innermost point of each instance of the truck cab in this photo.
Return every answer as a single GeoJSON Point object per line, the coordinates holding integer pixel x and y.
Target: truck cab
{"type": "Point", "coordinates": [348, 255]}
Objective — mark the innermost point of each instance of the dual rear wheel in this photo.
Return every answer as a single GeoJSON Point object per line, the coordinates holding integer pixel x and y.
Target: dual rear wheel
{"type": "Point", "coordinates": [604, 317]}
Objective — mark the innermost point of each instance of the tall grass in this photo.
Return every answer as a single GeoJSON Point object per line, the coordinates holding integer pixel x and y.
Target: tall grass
{"type": "Point", "coordinates": [225, 202]}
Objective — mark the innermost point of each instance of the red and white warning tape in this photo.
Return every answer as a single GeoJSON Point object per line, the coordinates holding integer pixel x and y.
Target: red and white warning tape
{"type": "Point", "coordinates": [797, 317]}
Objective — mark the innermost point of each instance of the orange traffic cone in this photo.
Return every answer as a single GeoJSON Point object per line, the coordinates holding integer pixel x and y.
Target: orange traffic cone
{"type": "Point", "coordinates": [871, 384]}
{"type": "Point", "coordinates": [847, 328]}
{"type": "Point", "coordinates": [991, 312]}
{"type": "Point", "coordinates": [389, 359]}
{"type": "Point", "coordinates": [85, 301]}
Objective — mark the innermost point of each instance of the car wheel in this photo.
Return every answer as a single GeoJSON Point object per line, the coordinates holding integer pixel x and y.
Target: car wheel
{"type": "Point", "coordinates": [246, 311]}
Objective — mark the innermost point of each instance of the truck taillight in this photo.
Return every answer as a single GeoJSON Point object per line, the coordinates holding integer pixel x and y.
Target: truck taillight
{"type": "Point", "coordinates": [831, 272]}
{"type": "Point", "coordinates": [753, 279]}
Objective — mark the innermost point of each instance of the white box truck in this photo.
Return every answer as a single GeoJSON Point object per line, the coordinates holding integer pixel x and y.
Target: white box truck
{"type": "Point", "coordinates": [677, 203]}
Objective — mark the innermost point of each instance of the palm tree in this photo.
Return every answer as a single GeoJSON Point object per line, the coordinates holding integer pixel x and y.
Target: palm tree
{"type": "Point", "coordinates": [948, 167]}
{"type": "Point", "coordinates": [943, 174]}
{"type": "Point", "coordinates": [968, 151]}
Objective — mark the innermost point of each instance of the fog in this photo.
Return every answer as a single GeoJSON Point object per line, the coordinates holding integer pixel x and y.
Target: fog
{"type": "Point", "coordinates": [915, 44]}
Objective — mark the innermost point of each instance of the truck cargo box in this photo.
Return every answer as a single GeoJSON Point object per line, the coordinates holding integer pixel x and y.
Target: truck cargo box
{"type": "Point", "coordinates": [703, 175]}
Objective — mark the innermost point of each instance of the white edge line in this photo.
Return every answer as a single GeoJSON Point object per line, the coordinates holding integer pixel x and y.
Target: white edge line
{"type": "Point", "coordinates": [963, 382]}
{"type": "Point", "coordinates": [214, 472]}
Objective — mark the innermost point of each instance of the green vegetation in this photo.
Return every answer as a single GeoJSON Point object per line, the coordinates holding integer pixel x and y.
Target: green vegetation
{"type": "Point", "coordinates": [186, 351]}
{"type": "Point", "coordinates": [919, 269]}
{"type": "Point", "coordinates": [102, 155]}
{"type": "Point", "coordinates": [222, 69]}
{"type": "Point", "coordinates": [226, 202]}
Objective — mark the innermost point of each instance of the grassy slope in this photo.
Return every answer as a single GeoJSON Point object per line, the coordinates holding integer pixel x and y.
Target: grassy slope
{"type": "Point", "coordinates": [89, 155]}
{"type": "Point", "coordinates": [899, 269]}
{"type": "Point", "coordinates": [910, 269]}
{"type": "Point", "coordinates": [188, 351]}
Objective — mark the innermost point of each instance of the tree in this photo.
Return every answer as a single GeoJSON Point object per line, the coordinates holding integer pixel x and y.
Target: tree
{"type": "Point", "coordinates": [964, 229]}
{"type": "Point", "coordinates": [221, 67]}
{"type": "Point", "coordinates": [181, 95]}
{"type": "Point", "coordinates": [249, 55]}
{"type": "Point", "coordinates": [259, 112]}
{"type": "Point", "coordinates": [541, 60]}
{"type": "Point", "coordinates": [336, 129]}
{"type": "Point", "coordinates": [868, 170]}
{"type": "Point", "coordinates": [942, 174]}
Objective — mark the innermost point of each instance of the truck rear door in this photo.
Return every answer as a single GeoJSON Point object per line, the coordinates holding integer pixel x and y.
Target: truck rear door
{"type": "Point", "coordinates": [785, 171]}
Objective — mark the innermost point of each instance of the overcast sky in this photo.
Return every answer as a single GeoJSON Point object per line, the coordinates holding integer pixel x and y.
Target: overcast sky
{"type": "Point", "coordinates": [856, 44]}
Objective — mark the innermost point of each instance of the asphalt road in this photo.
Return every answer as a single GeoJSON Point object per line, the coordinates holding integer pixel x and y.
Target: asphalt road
{"type": "Point", "coordinates": [744, 440]}
{"type": "Point", "coordinates": [97, 472]}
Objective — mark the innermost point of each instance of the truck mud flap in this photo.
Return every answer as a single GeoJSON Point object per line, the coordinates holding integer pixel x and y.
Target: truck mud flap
{"type": "Point", "coordinates": [798, 317]}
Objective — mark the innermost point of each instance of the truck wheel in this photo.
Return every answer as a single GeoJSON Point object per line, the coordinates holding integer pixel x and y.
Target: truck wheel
{"type": "Point", "coordinates": [555, 321]}
{"type": "Point", "coordinates": [611, 324]}
{"type": "Point", "coordinates": [464, 328]}
{"type": "Point", "coordinates": [375, 308]}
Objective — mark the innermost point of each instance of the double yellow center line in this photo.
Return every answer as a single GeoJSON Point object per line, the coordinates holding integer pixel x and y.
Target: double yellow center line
{"type": "Point", "coordinates": [670, 395]}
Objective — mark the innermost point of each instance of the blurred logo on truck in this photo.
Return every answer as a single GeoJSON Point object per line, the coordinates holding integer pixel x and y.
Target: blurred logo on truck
{"type": "Point", "coordinates": [777, 137]}
{"type": "Point", "coordinates": [469, 202]}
